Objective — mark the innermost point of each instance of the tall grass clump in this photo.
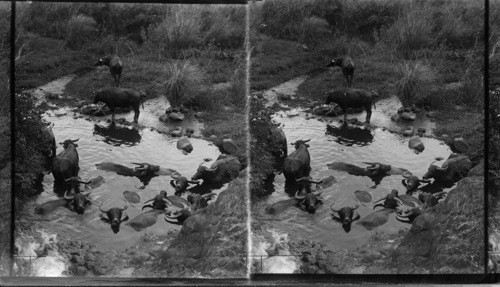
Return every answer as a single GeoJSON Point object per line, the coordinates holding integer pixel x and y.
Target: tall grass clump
{"type": "Point", "coordinates": [415, 79]}
{"type": "Point", "coordinates": [238, 90]}
{"type": "Point", "coordinates": [224, 27]}
{"type": "Point", "coordinates": [178, 31]}
{"type": "Point", "coordinates": [185, 83]}
{"type": "Point", "coordinates": [81, 30]}
{"type": "Point", "coordinates": [472, 92]}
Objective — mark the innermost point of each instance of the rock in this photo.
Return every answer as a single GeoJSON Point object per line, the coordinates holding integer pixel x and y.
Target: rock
{"type": "Point", "coordinates": [421, 130]}
{"type": "Point", "coordinates": [184, 144]}
{"type": "Point", "coordinates": [401, 110]}
{"type": "Point", "coordinates": [229, 146]}
{"type": "Point", "coordinates": [363, 196]}
{"type": "Point", "coordinates": [408, 116]}
{"type": "Point", "coordinates": [212, 137]}
{"type": "Point", "coordinates": [284, 97]}
{"type": "Point", "coordinates": [460, 145]}
{"type": "Point", "coordinates": [424, 222]}
{"type": "Point", "coordinates": [126, 272]}
{"type": "Point", "coordinates": [169, 110]}
{"type": "Point", "coordinates": [445, 137]}
{"type": "Point", "coordinates": [416, 144]}
{"type": "Point", "coordinates": [320, 110]}
{"type": "Point", "coordinates": [43, 105]}
{"type": "Point", "coordinates": [371, 256]}
{"type": "Point", "coordinates": [51, 96]}
{"type": "Point", "coordinates": [408, 132]}
{"type": "Point", "coordinates": [395, 118]}
{"type": "Point", "coordinates": [164, 118]}
{"type": "Point", "coordinates": [80, 271]}
{"type": "Point", "coordinates": [131, 196]}
{"type": "Point", "coordinates": [60, 113]}
{"type": "Point", "coordinates": [177, 132]}
{"type": "Point", "coordinates": [292, 113]}
{"type": "Point", "coordinates": [140, 258]}
{"type": "Point", "coordinates": [77, 259]}
{"type": "Point", "coordinates": [194, 252]}
{"type": "Point", "coordinates": [89, 257]}
{"type": "Point", "coordinates": [189, 130]}
{"type": "Point", "coordinates": [101, 270]}
{"type": "Point", "coordinates": [313, 104]}
{"type": "Point", "coordinates": [176, 116]}
{"type": "Point", "coordinates": [358, 270]}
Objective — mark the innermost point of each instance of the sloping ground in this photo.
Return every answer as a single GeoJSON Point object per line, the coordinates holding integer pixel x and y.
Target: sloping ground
{"type": "Point", "coordinates": [45, 59]}
{"type": "Point", "coordinates": [449, 238]}
{"type": "Point", "coordinates": [275, 61]}
{"type": "Point", "coordinates": [213, 242]}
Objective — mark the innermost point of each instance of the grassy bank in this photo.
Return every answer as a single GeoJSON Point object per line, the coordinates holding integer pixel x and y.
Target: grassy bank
{"type": "Point", "coordinates": [192, 54]}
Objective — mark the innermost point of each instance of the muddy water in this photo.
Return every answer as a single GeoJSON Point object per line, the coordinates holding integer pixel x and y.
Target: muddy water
{"type": "Point", "coordinates": [352, 146]}
{"type": "Point", "coordinates": [98, 142]}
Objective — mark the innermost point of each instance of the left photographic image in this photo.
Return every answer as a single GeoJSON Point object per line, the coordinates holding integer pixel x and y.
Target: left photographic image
{"type": "Point", "coordinates": [130, 140]}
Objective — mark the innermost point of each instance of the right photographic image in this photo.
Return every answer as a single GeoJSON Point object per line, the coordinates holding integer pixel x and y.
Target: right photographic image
{"type": "Point", "coordinates": [367, 137]}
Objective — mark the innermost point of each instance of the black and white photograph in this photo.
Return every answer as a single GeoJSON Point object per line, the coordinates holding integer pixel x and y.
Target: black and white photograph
{"type": "Point", "coordinates": [261, 142]}
{"type": "Point", "coordinates": [367, 126]}
{"type": "Point", "coordinates": [130, 141]}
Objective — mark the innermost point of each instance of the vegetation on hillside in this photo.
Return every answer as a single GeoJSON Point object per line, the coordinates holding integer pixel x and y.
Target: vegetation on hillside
{"type": "Point", "coordinates": [179, 51]}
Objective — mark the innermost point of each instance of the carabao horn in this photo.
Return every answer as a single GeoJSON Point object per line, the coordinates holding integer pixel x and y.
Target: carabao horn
{"type": "Point", "coordinates": [334, 210]}
{"type": "Point", "coordinates": [66, 196]}
{"type": "Point", "coordinates": [299, 197]}
{"type": "Point", "coordinates": [104, 211]}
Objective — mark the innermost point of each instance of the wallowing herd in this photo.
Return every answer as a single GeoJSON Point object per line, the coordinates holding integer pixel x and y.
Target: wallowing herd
{"type": "Point", "coordinates": [75, 193]}
{"type": "Point", "coordinates": [296, 169]}
{"type": "Point", "coordinates": [298, 183]}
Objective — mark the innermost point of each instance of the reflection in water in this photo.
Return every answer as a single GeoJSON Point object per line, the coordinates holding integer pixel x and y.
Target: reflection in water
{"type": "Point", "coordinates": [145, 146]}
{"type": "Point", "coordinates": [350, 146]}
{"type": "Point", "coordinates": [356, 170]}
{"type": "Point", "coordinates": [350, 136]}
{"type": "Point", "coordinates": [116, 135]}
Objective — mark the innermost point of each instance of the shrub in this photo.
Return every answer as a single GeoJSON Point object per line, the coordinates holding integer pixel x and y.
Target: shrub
{"type": "Point", "coordinates": [81, 30]}
{"type": "Point", "coordinates": [28, 139]}
{"type": "Point", "coordinates": [313, 30]}
{"type": "Point", "coordinates": [416, 78]}
{"type": "Point", "coordinates": [284, 17]}
{"type": "Point", "coordinates": [46, 19]}
{"type": "Point", "coordinates": [185, 84]}
{"type": "Point", "coordinates": [361, 17]}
